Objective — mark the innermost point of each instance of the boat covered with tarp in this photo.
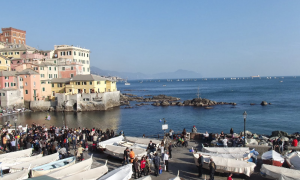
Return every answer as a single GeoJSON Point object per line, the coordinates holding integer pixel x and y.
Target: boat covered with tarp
{"type": "Point", "coordinates": [118, 151]}
{"type": "Point", "coordinates": [121, 173]}
{"type": "Point", "coordinates": [74, 169]}
{"type": "Point", "coordinates": [240, 157]}
{"type": "Point", "coordinates": [52, 166]}
{"type": "Point", "coordinates": [226, 150]}
{"type": "Point", "coordinates": [279, 173]}
{"type": "Point", "coordinates": [145, 141]}
{"type": "Point", "coordinates": [34, 163]}
{"type": "Point", "coordinates": [293, 160]}
{"type": "Point", "coordinates": [14, 161]}
{"type": "Point", "coordinates": [91, 174]}
{"type": "Point", "coordinates": [102, 144]}
{"type": "Point", "coordinates": [16, 175]}
{"type": "Point", "coordinates": [227, 165]}
{"type": "Point", "coordinates": [273, 158]}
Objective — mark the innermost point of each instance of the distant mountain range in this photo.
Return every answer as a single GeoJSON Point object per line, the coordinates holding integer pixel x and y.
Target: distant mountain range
{"type": "Point", "coordinates": [180, 73]}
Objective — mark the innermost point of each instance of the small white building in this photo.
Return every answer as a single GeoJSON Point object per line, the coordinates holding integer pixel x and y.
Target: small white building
{"type": "Point", "coordinates": [10, 98]}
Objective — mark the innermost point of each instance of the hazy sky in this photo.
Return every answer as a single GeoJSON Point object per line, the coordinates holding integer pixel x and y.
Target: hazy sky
{"type": "Point", "coordinates": [215, 38]}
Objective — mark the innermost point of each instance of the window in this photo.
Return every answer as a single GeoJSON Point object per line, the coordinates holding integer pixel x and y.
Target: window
{"type": "Point", "coordinates": [54, 68]}
{"type": "Point", "coordinates": [98, 82]}
{"type": "Point", "coordinates": [91, 83]}
{"type": "Point", "coordinates": [88, 62]}
{"type": "Point", "coordinates": [55, 75]}
{"type": "Point", "coordinates": [70, 52]}
{"type": "Point", "coordinates": [59, 85]}
{"type": "Point", "coordinates": [11, 84]}
{"type": "Point", "coordinates": [74, 52]}
{"type": "Point", "coordinates": [77, 83]}
{"type": "Point", "coordinates": [3, 94]}
{"type": "Point", "coordinates": [43, 89]}
{"type": "Point", "coordinates": [83, 61]}
{"type": "Point", "coordinates": [72, 75]}
{"type": "Point", "coordinates": [50, 75]}
{"type": "Point", "coordinates": [26, 84]}
{"type": "Point", "coordinates": [88, 69]}
{"type": "Point", "coordinates": [63, 68]}
{"type": "Point", "coordinates": [42, 75]}
{"type": "Point", "coordinates": [26, 91]}
{"type": "Point", "coordinates": [83, 69]}
{"type": "Point", "coordinates": [50, 68]}
{"type": "Point", "coordinates": [52, 85]}
{"type": "Point", "coordinates": [87, 55]}
{"type": "Point", "coordinates": [7, 84]}
{"type": "Point", "coordinates": [43, 82]}
{"type": "Point", "coordinates": [6, 77]}
{"type": "Point", "coordinates": [72, 68]}
{"type": "Point", "coordinates": [14, 84]}
{"type": "Point", "coordinates": [21, 79]}
{"type": "Point", "coordinates": [17, 53]}
{"type": "Point", "coordinates": [84, 83]}
{"type": "Point", "coordinates": [79, 54]}
{"type": "Point", "coordinates": [25, 76]}
{"type": "Point", "coordinates": [49, 82]}
{"type": "Point", "coordinates": [41, 68]}
{"type": "Point", "coordinates": [35, 68]}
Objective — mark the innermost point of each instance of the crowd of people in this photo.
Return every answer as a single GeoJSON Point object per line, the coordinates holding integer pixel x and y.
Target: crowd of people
{"type": "Point", "coordinates": [49, 140]}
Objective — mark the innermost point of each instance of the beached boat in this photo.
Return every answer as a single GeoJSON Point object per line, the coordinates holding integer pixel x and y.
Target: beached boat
{"type": "Point", "coordinates": [72, 170]}
{"type": "Point", "coordinates": [145, 141]}
{"type": "Point", "coordinates": [34, 163]}
{"type": "Point", "coordinates": [118, 151]}
{"type": "Point", "coordinates": [13, 129]}
{"type": "Point", "coordinates": [121, 173]}
{"type": "Point", "coordinates": [293, 160]}
{"type": "Point", "coordinates": [11, 162]}
{"type": "Point", "coordinates": [130, 144]}
{"type": "Point", "coordinates": [227, 165]}
{"type": "Point", "coordinates": [16, 175]}
{"type": "Point", "coordinates": [240, 157]}
{"type": "Point", "coordinates": [226, 150]}
{"type": "Point", "coordinates": [145, 178]}
{"type": "Point", "coordinates": [280, 173]}
{"type": "Point", "coordinates": [53, 166]}
{"type": "Point", "coordinates": [176, 178]}
{"type": "Point", "coordinates": [272, 158]}
{"type": "Point", "coordinates": [102, 144]}
{"type": "Point", "coordinates": [16, 154]}
{"type": "Point", "coordinates": [91, 174]}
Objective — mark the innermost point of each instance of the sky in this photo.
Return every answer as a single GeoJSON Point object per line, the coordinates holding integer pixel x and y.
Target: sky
{"type": "Point", "coordinates": [216, 38]}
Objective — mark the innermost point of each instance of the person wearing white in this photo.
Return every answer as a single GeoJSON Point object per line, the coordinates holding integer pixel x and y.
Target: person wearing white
{"type": "Point", "coordinates": [206, 135]}
{"type": "Point", "coordinates": [162, 152]}
{"type": "Point", "coordinates": [225, 142]}
{"type": "Point", "coordinates": [166, 161]}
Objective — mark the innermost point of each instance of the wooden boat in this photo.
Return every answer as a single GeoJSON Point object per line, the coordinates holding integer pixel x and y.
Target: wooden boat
{"type": "Point", "coordinates": [145, 141]}
{"type": "Point", "coordinates": [176, 178]}
{"type": "Point", "coordinates": [121, 173]}
{"type": "Point", "coordinates": [227, 165]}
{"type": "Point", "coordinates": [226, 150]}
{"type": "Point", "coordinates": [102, 145]}
{"type": "Point", "coordinates": [272, 158]}
{"type": "Point", "coordinates": [91, 174]}
{"type": "Point", "coordinates": [293, 160]}
{"type": "Point", "coordinates": [34, 163]}
{"type": "Point", "coordinates": [281, 173]}
{"type": "Point", "coordinates": [72, 170]}
{"type": "Point", "coordinates": [16, 154]}
{"type": "Point", "coordinates": [52, 166]}
{"type": "Point", "coordinates": [118, 151]}
{"type": "Point", "coordinates": [16, 175]}
{"type": "Point", "coordinates": [11, 162]}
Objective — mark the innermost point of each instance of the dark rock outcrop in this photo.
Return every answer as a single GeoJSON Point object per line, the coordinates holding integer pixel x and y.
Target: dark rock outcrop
{"type": "Point", "coordinates": [263, 103]}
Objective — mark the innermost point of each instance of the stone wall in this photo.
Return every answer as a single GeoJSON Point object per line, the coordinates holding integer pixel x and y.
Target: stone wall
{"type": "Point", "coordinates": [40, 105]}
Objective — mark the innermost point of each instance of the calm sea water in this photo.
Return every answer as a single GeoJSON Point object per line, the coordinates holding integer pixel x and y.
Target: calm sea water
{"type": "Point", "coordinates": [283, 114]}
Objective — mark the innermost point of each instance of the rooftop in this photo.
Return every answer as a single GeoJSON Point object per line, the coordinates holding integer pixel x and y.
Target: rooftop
{"type": "Point", "coordinates": [60, 80]}
{"type": "Point", "coordinates": [89, 77]}
{"type": "Point", "coordinates": [17, 47]}
{"type": "Point", "coordinates": [27, 72]}
{"type": "Point", "coordinates": [7, 73]}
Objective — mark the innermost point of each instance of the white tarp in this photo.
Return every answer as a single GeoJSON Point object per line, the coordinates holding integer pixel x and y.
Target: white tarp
{"type": "Point", "coordinates": [279, 173]}
{"type": "Point", "coordinates": [118, 151]}
{"type": "Point", "coordinates": [16, 176]}
{"type": "Point", "coordinates": [35, 162]}
{"type": "Point", "coordinates": [16, 154]}
{"type": "Point", "coordinates": [91, 174]}
{"type": "Point", "coordinates": [228, 165]}
{"type": "Point", "coordinates": [110, 141]}
{"type": "Point", "coordinates": [122, 173]}
{"type": "Point", "coordinates": [226, 150]}
{"type": "Point", "coordinates": [145, 178]}
{"type": "Point", "coordinates": [293, 160]}
{"type": "Point", "coordinates": [131, 145]}
{"type": "Point", "coordinates": [11, 162]}
{"type": "Point", "coordinates": [145, 141]}
{"type": "Point", "coordinates": [74, 169]}
{"type": "Point", "coordinates": [272, 155]}
{"type": "Point", "coordinates": [240, 157]}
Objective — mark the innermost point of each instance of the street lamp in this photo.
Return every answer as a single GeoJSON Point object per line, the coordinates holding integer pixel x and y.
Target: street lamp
{"type": "Point", "coordinates": [16, 139]}
{"type": "Point", "coordinates": [245, 116]}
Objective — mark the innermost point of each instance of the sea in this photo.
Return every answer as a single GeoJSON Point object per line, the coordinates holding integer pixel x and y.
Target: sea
{"type": "Point", "coordinates": [283, 112]}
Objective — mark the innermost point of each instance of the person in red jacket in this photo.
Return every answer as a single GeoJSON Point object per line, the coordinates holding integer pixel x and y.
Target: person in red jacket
{"type": "Point", "coordinates": [143, 165]}
{"type": "Point", "coordinates": [229, 177]}
{"type": "Point", "coordinates": [295, 142]}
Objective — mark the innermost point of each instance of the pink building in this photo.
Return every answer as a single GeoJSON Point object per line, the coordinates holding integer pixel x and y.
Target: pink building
{"type": "Point", "coordinates": [42, 55]}
{"type": "Point", "coordinates": [15, 63]}
{"type": "Point", "coordinates": [32, 85]}
{"type": "Point", "coordinates": [8, 80]}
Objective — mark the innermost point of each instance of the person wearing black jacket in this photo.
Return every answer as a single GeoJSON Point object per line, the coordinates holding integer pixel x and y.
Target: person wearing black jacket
{"type": "Point", "coordinates": [200, 162]}
{"type": "Point", "coordinates": [151, 146]}
{"type": "Point", "coordinates": [212, 169]}
{"type": "Point", "coordinates": [156, 161]}
{"type": "Point", "coordinates": [136, 168]}
{"type": "Point", "coordinates": [126, 156]}
{"type": "Point", "coordinates": [170, 150]}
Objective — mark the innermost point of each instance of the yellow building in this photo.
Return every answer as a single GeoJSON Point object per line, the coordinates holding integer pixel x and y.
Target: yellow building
{"type": "Point", "coordinates": [88, 83]}
{"type": "Point", "coordinates": [15, 50]}
{"type": "Point", "coordinates": [4, 63]}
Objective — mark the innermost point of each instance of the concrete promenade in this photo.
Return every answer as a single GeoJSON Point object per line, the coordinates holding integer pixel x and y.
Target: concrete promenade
{"type": "Point", "coordinates": [182, 160]}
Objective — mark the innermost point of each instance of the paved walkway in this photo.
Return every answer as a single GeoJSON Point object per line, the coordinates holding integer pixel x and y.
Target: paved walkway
{"type": "Point", "coordinates": [182, 160]}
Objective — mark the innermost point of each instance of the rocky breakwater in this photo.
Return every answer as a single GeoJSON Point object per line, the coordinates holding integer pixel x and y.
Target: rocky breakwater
{"type": "Point", "coordinates": [200, 102]}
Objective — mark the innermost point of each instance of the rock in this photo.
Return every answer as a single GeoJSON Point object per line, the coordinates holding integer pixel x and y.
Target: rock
{"type": "Point", "coordinates": [252, 104]}
{"type": "Point", "coordinates": [263, 103]}
{"type": "Point", "coordinates": [165, 103]}
{"type": "Point", "coordinates": [279, 133]}
{"type": "Point", "coordinates": [187, 102]}
{"type": "Point", "coordinates": [208, 107]}
{"type": "Point", "coordinates": [252, 141]}
{"type": "Point", "coordinates": [269, 103]}
{"type": "Point", "coordinates": [179, 104]}
{"type": "Point", "coordinates": [263, 143]}
{"type": "Point", "coordinates": [247, 132]}
{"type": "Point", "coordinates": [273, 138]}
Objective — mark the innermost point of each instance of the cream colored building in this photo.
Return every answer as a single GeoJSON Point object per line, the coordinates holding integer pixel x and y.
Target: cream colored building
{"type": "Point", "coordinates": [74, 54]}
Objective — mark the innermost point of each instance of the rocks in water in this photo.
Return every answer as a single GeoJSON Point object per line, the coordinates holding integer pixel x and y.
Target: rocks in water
{"type": "Point", "coordinates": [252, 104]}
{"type": "Point", "coordinates": [279, 133]}
{"type": "Point", "coordinates": [179, 104]}
{"type": "Point", "coordinates": [263, 103]}
{"type": "Point", "coordinates": [247, 132]}
{"type": "Point", "coordinates": [164, 103]}
{"type": "Point", "coordinates": [208, 107]}
{"type": "Point", "coordinates": [187, 102]}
